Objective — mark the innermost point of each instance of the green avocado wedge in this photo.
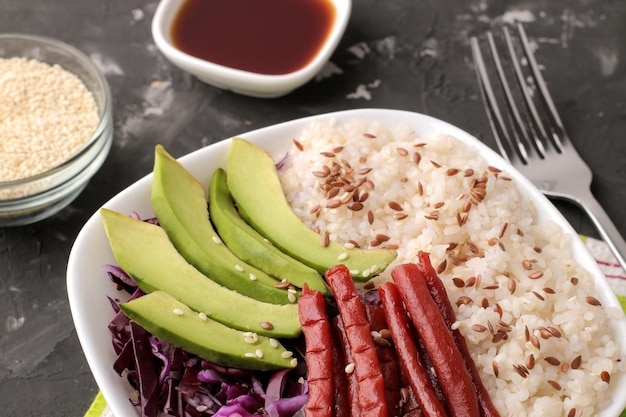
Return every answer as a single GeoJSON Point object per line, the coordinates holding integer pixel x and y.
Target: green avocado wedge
{"type": "Point", "coordinates": [255, 187]}
{"type": "Point", "coordinates": [249, 245]}
{"type": "Point", "coordinates": [169, 319]}
{"type": "Point", "coordinates": [181, 207]}
{"type": "Point", "coordinates": [144, 251]}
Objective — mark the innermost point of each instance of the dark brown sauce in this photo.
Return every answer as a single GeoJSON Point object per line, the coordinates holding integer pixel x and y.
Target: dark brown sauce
{"type": "Point", "coordinates": [262, 36]}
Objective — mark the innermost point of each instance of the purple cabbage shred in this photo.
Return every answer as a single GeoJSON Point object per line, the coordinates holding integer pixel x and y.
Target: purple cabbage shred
{"type": "Point", "coordinates": [172, 382]}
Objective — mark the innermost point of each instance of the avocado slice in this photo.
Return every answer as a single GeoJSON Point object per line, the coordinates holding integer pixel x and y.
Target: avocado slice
{"type": "Point", "coordinates": [169, 319]}
{"type": "Point", "coordinates": [249, 245]}
{"type": "Point", "coordinates": [255, 187]}
{"type": "Point", "coordinates": [144, 251]}
{"type": "Point", "coordinates": [181, 207]}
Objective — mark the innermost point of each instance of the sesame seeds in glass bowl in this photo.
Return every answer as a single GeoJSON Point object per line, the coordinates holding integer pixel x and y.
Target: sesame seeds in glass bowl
{"type": "Point", "coordinates": [56, 126]}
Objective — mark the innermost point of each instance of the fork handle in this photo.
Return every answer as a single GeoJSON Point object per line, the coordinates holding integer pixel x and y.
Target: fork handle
{"type": "Point", "coordinates": [605, 226]}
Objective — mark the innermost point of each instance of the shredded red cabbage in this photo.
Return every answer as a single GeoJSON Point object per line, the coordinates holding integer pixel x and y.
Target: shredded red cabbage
{"type": "Point", "coordinates": [172, 382]}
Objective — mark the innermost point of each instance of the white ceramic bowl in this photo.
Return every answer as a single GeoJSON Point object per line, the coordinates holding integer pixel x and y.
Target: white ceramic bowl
{"type": "Point", "coordinates": [88, 286]}
{"type": "Point", "coordinates": [245, 82]}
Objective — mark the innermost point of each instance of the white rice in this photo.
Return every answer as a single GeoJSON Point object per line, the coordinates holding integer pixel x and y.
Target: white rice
{"type": "Point", "coordinates": [485, 249]}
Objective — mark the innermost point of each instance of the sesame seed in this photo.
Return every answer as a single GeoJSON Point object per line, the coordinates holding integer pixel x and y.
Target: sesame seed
{"type": "Point", "coordinates": [259, 353]}
{"type": "Point", "coordinates": [349, 368]}
{"type": "Point", "coordinates": [202, 316]}
{"type": "Point", "coordinates": [273, 342]}
{"type": "Point", "coordinates": [286, 354]}
{"type": "Point", "coordinates": [250, 355]}
{"type": "Point", "coordinates": [178, 311]}
{"type": "Point", "coordinates": [291, 297]}
{"type": "Point", "coordinates": [266, 325]}
{"type": "Point", "coordinates": [201, 408]}
{"type": "Point", "coordinates": [48, 115]}
{"type": "Point", "coordinates": [252, 277]}
{"type": "Point", "coordinates": [239, 268]}
{"type": "Point", "coordinates": [343, 256]}
{"type": "Point", "coordinates": [294, 362]}
{"type": "Point", "coordinates": [217, 240]}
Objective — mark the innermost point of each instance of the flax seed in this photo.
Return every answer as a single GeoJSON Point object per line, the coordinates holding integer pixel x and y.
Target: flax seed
{"type": "Point", "coordinates": [592, 301]}
{"type": "Point", "coordinates": [576, 362]}
{"type": "Point", "coordinates": [394, 206]}
{"type": "Point", "coordinates": [605, 376]}
{"type": "Point", "coordinates": [479, 328]}
{"type": "Point", "coordinates": [458, 282]}
{"type": "Point", "coordinates": [324, 239]}
{"type": "Point", "coordinates": [400, 216]}
{"type": "Point", "coordinates": [554, 384]}
{"type": "Point", "coordinates": [494, 366]}
{"type": "Point", "coordinates": [552, 360]}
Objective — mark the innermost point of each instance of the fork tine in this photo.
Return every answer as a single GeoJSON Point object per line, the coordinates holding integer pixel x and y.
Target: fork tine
{"type": "Point", "coordinates": [520, 133]}
{"type": "Point", "coordinates": [538, 131]}
{"type": "Point", "coordinates": [496, 121]}
{"type": "Point", "coordinates": [545, 96]}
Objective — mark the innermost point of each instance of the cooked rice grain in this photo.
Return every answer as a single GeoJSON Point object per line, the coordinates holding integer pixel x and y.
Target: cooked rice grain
{"type": "Point", "coordinates": [509, 278]}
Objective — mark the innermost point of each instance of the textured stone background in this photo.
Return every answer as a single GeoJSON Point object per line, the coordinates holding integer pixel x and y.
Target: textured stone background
{"type": "Point", "coordinates": [402, 54]}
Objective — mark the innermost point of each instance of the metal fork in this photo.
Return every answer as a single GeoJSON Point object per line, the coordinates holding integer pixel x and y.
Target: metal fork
{"type": "Point", "coordinates": [536, 143]}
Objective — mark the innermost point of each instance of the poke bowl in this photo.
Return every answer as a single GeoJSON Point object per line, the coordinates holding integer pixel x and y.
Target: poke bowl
{"type": "Point", "coordinates": [560, 309]}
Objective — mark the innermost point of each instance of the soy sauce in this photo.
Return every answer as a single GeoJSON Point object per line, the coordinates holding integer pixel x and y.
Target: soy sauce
{"type": "Point", "coordinates": [263, 36]}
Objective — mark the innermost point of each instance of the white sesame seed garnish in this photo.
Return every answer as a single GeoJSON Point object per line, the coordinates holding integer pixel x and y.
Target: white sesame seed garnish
{"type": "Point", "coordinates": [252, 277]}
{"type": "Point", "coordinates": [249, 340]}
{"type": "Point", "coordinates": [201, 408]}
{"type": "Point", "coordinates": [250, 355]}
{"type": "Point", "coordinates": [348, 245]}
{"type": "Point", "coordinates": [366, 273]}
{"type": "Point", "coordinates": [217, 240]}
{"type": "Point", "coordinates": [354, 272]}
{"type": "Point", "coordinates": [178, 311]}
{"type": "Point", "coordinates": [239, 268]}
{"type": "Point", "coordinates": [291, 297]}
{"type": "Point", "coordinates": [286, 354]}
{"type": "Point", "coordinates": [258, 353]}
{"type": "Point", "coordinates": [349, 368]}
{"type": "Point", "coordinates": [273, 342]}
{"type": "Point", "coordinates": [342, 256]}
{"type": "Point", "coordinates": [294, 362]}
{"type": "Point", "coordinates": [202, 316]}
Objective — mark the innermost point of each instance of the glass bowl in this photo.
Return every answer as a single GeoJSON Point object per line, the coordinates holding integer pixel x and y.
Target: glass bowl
{"type": "Point", "coordinates": [28, 200]}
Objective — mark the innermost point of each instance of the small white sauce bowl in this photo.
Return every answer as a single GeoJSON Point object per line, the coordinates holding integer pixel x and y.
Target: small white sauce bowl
{"type": "Point", "coordinates": [239, 81]}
